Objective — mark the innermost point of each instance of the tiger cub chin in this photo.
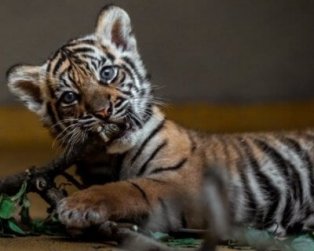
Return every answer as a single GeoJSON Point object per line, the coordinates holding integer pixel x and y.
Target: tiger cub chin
{"type": "Point", "coordinates": [100, 79]}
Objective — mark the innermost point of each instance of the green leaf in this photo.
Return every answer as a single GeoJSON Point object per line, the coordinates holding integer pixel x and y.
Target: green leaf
{"type": "Point", "coordinates": [15, 228]}
{"type": "Point", "coordinates": [20, 193]}
{"type": "Point", "coordinates": [7, 207]}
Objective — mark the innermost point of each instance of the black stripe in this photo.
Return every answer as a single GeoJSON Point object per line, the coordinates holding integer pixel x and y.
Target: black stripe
{"type": "Point", "coordinates": [287, 213]}
{"type": "Point", "coordinates": [126, 93]}
{"type": "Point", "coordinates": [64, 83]}
{"type": "Point", "coordinates": [135, 119]}
{"type": "Point", "coordinates": [128, 85]}
{"type": "Point", "coordinates": [71, 76]}
{"type": "Point", "coordinates": [170, 168]}
{"type": "Point", "coordinates": [133, 67]}
{"type": "Point", "coordinates": [123, 77]}
{"type": "Point", "coordinates": [94, 65]}
{"type": "Point", "coordinates": [49, 65]}
{"type": "Point", "coordinates": [292, 177]}
{"type": "Point", "coordinates": [111, 56]}
{"type": "Point", "coordinates": [59, 63]}
{"type": "Point", "coordinates": [88, 41]}
{"type": "Point", "coordinates": [51, 59]}
{"type": "Point", "coordinates": [148, 112]}
{"type": "Point", "coordinates": [151, 157]}
{"type": "Point", "coordinates": [292, 143]}
{"type": "Point", "coordinates": [92, 60]}
{"type": "Point", "coordinates": [277, 159]}
{"type": "Point", "coordinates": [121, 109]}
{"type": "Point", "coordinates": [82, 49]}
{"type": "Point", "coordinates": [102, 60]}
{"type": "Point", "coordinates": [143, 193]}
{"type": "Point", "coordinates": [273, 194]}
{"type": "Point", "coordinates": [88, 67]}
{"type": "Point", "coordinates": [120, 104]}
{"type": "Point", "coordinates": [74, 42]}
{"type": "Point", "coordinates": [125, 68]}
{"type": "Point", "coordinates": [241, 165]}
{"type": "Point", "coordinates": [286, 168]}
{"type": "Point", "coordinates": [119, 101]}
{"type": "Point", "coordinates": [91, 57]}
{"type": "Point", "coordinates": [150, 136]}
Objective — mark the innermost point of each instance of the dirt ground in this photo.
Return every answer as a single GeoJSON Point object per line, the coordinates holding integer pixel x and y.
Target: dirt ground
{"type": "Point", "coordinates": [57, 244]}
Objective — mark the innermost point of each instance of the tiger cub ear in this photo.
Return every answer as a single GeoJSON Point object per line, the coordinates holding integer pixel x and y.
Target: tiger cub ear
{"type": "Point", "coordinates": [114, 25]}
{"type": "Point", "coordinates": [24, 82]}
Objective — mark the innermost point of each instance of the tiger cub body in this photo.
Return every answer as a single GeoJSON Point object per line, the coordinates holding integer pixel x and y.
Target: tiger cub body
{"type": "Point", "coordinates": [100, 79]}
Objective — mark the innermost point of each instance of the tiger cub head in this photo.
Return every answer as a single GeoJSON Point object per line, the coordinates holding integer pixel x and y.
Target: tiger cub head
{"type": "Point", "coordinates": [90, 82]}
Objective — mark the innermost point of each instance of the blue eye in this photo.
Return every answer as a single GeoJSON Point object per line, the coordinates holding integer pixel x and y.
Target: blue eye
{"type": "Point", "coordinates": [107, 74]}
{"type": "Point", "coordinates": [69, 97]}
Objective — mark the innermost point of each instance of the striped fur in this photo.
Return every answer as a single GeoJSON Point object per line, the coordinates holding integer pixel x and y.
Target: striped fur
{"type": "Point", "coordinates": [271, 183]}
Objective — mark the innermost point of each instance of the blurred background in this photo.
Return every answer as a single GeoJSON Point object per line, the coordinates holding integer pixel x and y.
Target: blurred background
{"type": "Point", "coordinates": [220, 65]}
{"type": "Point", "coordinates": [215, 51]}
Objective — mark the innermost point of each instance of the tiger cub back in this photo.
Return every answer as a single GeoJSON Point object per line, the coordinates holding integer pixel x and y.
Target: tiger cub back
{"type": "Point", "coordinates": [271, 178]}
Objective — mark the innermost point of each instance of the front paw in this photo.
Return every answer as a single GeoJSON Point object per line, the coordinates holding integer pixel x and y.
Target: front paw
{"type": "Point", "coordinates": [82, 209]}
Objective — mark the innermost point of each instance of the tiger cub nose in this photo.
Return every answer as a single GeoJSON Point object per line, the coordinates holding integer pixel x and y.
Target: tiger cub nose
{"type": "Point", "coordinates": [104, 113]}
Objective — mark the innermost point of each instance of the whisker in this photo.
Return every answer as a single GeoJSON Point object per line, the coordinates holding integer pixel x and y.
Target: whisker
{"type": "Point", "coordinates": [61, 122]}
{"type": "Point", "coordinates": [62, 136]}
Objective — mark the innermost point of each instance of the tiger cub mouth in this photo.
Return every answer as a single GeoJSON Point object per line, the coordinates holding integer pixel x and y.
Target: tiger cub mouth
{"type": "Point", "coordinates": [111, 131]}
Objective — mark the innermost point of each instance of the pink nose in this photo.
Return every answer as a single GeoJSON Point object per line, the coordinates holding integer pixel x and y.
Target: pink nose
{"type": "Point", "coordinates": [104, 113]}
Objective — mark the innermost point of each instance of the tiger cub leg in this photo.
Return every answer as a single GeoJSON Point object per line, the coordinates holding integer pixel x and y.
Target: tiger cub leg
{"type": "Point", "coordinates": [113, 201]}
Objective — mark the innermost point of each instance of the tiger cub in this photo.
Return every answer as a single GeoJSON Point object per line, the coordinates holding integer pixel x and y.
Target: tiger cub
{"type": "Point", "coordinates": [100, 79]}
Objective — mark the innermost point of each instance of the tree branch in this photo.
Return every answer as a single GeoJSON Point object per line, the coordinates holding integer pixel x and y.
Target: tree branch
{"type": "Point", "coordinates": [41, 179]}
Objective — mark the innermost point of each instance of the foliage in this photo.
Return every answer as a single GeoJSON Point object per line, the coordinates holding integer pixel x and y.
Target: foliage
{"type": "Point", "coordinates": [17, 206]}
{"type": "Point", "coordinates": [10, 206]}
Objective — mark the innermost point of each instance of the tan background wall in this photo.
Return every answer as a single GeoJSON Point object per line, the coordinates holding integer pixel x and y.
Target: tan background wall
{"type": "Point", "coordinates": [197, 50]}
